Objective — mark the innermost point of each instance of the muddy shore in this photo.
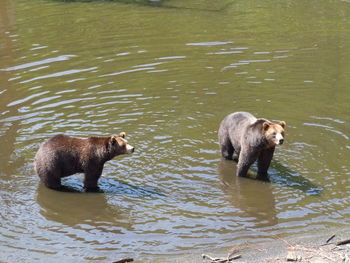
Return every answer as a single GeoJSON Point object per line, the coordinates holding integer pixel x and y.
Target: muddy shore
{"type": "Point", "coordinates": [325, 247]}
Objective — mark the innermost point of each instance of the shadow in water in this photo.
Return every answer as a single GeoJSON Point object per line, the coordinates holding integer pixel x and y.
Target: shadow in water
{"type": "Point", "coordinates": [281, 175]}
{"type": "Point", "coordinates": [253, 197]}
{"type": "Point", "coordinates": [165, 4]}
{"type": "Point", "coordinates": [110, 186]}
{"type": "Point", "coordinates": [74, 184]}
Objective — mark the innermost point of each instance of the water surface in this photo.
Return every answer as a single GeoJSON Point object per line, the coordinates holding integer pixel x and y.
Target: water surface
{"type": "Point", "coordinates": [167, 76]}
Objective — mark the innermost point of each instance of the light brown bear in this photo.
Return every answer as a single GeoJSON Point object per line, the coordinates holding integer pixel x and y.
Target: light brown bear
{"type": "Point", "coordinates": [251, 139]}
{"type": "Point", "coordinates": [63, 155]}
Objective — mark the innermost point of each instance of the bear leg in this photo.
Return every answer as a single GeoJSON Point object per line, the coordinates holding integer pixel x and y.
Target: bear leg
{"type": "Point", "coordinates": [90, 184]}
{"type": "Point", "coordinates": [91, 180]}
{"type": "Point", "coordinates": [52, 181]}
{"type": "Point", "coordinates": [246, 159]}
{"type": "Point", "coordinates": [264, 161]}
{"type": "Point", "coordinates": [227, 149]}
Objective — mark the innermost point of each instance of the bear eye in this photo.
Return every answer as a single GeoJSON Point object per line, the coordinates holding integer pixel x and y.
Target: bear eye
{"type": "Point", "coordinates": [274, 133]}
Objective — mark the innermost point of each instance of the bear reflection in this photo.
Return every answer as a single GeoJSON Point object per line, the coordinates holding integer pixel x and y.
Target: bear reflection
{"type": "Point", "coordinates": [253, 197]}
{"type": "Point", "coordinates": [72, 208]}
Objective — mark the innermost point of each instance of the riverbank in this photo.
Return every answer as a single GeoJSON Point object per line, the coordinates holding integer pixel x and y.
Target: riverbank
{"type": "Point", "coordinates": [315, 248]}
{"type": "Point", "coordinates": [323, 247]}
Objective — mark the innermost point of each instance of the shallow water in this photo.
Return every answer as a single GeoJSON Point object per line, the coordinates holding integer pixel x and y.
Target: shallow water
{"type": "Point", "coordinates": [167, 76]}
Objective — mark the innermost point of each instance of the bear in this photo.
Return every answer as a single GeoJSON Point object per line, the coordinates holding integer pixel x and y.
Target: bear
{"type": "Point", "coordinates": [63, 155]}
{"type": "Point", "coordinates": [250, 139]}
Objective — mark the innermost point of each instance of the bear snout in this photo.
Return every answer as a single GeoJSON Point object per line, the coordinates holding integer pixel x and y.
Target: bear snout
{"type": "Point", "coordinates": [130, 149]}
{"type": "Point", "coordinates": [279, 139]}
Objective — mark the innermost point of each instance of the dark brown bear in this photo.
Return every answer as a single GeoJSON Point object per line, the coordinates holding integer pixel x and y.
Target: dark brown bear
{"type": "Point", "coordinates": [63, 155]}
{"type": "Point", "coordinates": [251, 139]}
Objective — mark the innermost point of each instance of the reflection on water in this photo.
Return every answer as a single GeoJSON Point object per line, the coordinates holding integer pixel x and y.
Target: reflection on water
{"type": "Point", "coordinates": [255, 198]}
{"type": "Point", "coordinates": [77, 205]}
{"type": "Point", "coordinates": [167, 76]}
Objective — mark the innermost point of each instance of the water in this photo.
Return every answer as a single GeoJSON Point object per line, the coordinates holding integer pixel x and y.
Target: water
{"type": "Point", "coordinates": [167, 75]}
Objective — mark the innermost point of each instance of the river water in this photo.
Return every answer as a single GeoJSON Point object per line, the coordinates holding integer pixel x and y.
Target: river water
{"type": "Point", "coordinates": [167, 74]}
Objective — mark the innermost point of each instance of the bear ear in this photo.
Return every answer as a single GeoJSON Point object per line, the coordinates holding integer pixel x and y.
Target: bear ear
{"type": "Point", "coordinates": [113, 140]}
{"type": "Point", "coordinates": [122, 134]}
{"type": "Point", "coordinates": [266, 125]}
{"type": "Point", "coordinates": [282, 123]}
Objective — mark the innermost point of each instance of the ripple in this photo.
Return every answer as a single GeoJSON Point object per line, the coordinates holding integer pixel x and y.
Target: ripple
{"type": "Point", "coordinates": [255, 61]}
{"type": "Point", "coordinates": [125, 72]}
{"type": "Point", "coordinates": [26, 99]}
{"type": "Point", "coordinates": [225, 52]}
{"type": "Point", "coordinates": [214, 43]}
{"type": "Point", "coordinates": [328, 119]}
{"type": "Point", "coordinates": [328, 128]}
{"type": "Point", "coordinates": [59, 74]}
{"type": "Point", "coordinates": [38, 63]}
{"type": "Point", "coordinates": [149, 65]}
{"type": "Point", "coordinates": [171, 57]}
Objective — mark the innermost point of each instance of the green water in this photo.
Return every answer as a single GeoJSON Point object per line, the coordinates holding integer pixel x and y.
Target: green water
{"type": "Point", "coordinates": [167, 75]}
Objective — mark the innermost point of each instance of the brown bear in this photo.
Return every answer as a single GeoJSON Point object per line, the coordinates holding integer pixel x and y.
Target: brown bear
{"type": "Point", "coordinates": [63, 155]}
{"type": "Point", "coordinates": [251, 139]}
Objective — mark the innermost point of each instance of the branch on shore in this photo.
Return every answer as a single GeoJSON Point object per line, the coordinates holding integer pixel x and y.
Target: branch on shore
{"type": "Point", "coordinates": [229, 258]}
{"type": "Point", "coordinates": [124, 260]}
{"type": "Point", "coordinates": [343, 242]}
{"type": "Point", "coordinates": [327, 252]}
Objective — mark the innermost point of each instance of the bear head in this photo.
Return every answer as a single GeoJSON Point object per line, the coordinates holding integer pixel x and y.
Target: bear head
{"type": "Point", "coordinates": [274, 132]}
{"type": "Point", "coordinates": [118, 145]}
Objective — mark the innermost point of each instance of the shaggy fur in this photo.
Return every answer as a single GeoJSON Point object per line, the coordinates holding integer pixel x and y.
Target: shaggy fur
{"type": "Point", "coordinates": [251, 139]}
{"type": "Point", "coordinates": [63, 155]}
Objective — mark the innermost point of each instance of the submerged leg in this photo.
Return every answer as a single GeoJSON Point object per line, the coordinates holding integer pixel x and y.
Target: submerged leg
{"type": "Point", "coordinates": [91, 179]}
{"type": "Point", "coordinates": [227, 149]}
{"type": "Point", "coordinates": [245, 160]}
{"type": "Point", "coordinates": [51, 180]}
{"type": "Point", "coordinates": [264, 161]}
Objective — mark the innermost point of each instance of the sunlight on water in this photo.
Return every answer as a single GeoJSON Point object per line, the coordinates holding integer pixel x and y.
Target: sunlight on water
{"type": "Point", "coordinates": [167, 76]}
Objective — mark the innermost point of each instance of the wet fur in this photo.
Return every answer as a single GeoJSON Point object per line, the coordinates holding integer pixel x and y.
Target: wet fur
{"type": "Point", "coordinates": [63, 155]}
{"type": "Point", "coordinates": [249, 138]}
